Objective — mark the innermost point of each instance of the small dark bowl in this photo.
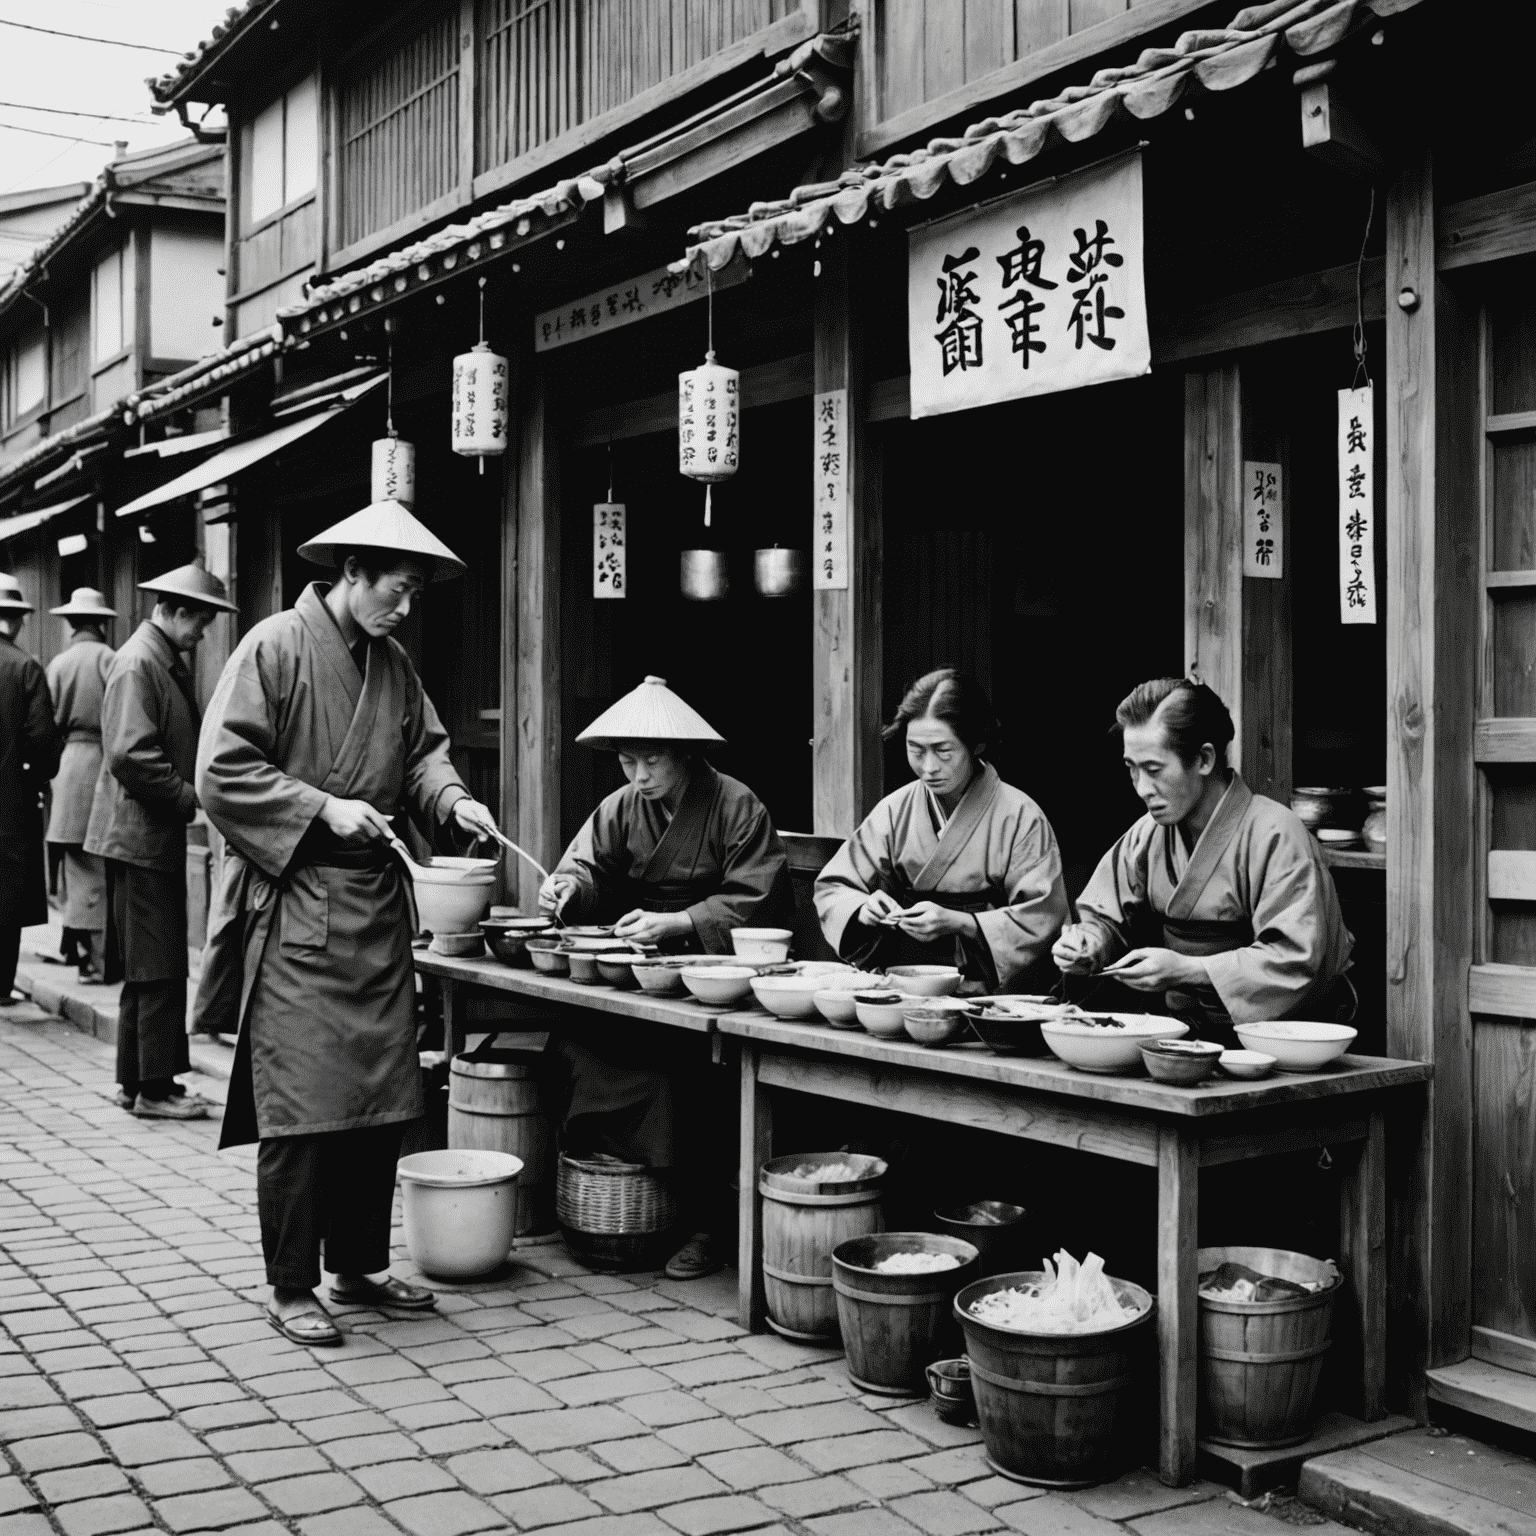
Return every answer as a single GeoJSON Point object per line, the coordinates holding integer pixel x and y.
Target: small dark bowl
{"type": "Point", "coordinates": [993, 1227]}
{"type": "Point", "coordinates": [1005, 1035]}
{"type": "Point", "coordinates": [949, 1381]}
{"type": "Point", "coordinates": [507, 943]}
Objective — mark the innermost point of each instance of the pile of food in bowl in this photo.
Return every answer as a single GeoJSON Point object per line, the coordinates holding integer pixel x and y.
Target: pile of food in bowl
{"type": "Point", "coordinates": [1108, 1042]}
{"type": "Point", "coordinates": [1066, 1297]}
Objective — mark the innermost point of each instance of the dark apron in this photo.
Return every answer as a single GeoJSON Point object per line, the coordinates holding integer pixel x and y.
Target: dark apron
{"type": "Point", "coordinates": [971, 953]}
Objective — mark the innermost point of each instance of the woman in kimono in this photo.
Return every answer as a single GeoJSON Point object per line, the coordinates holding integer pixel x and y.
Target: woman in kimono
{"type": "Point", "coordinates": [677, 858]}
{"type": "Point", "coordinates": [1217, 898]}
{"type": "Point", "coordinates": [958, 868]}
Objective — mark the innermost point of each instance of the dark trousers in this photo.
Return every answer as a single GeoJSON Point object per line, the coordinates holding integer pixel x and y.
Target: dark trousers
{"type": "Point", "coordinates": [10, 953]}
{"type": "Point", "coordinates": [336, 1187]}
{"type": "Point", "coordinates": [151, 1036]}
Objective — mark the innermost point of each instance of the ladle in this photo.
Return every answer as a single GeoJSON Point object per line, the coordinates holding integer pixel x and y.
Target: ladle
{"type": "Point", "coordinates": [411, 865]}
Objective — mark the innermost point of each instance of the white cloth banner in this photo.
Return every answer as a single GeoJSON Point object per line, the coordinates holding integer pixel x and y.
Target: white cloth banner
{"type": "Point", "coordinates": [1263, 522]}
{"type": "Point", "coordinates": [1031, 294]}
{"type": "Point", "coordinates": [608, 563]}
{"type": "Point", "coordinates": [1357, 506]}
{"type": "Point", "coordinates": [829, 469]}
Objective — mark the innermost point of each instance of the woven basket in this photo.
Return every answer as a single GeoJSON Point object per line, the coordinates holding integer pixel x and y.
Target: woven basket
{"type": "Point", "coordinates": [606, 1197]}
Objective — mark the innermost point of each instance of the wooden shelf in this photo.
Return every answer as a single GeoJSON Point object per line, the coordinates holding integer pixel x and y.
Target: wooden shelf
{"type": "Point", "coordinates": [1512, 424]}
{"type": "Point", "coordinates": [1353, 858]}
{"type": "Point", "coordinates": [1503, 581]}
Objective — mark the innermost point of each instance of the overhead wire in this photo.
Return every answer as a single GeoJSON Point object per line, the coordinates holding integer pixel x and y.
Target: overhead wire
{"type": "Point", "coordinates": [44, 133]}
{"type": "Point", "coordinates": [84, 37]}
{"type": "Point", "coordinates": [144, 119]}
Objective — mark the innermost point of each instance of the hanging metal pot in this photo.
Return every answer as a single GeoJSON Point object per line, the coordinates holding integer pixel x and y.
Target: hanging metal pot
{"type": "Point", "coordinates": [704, 575]}
{"type": "Point", "coordinates": [778, 572]}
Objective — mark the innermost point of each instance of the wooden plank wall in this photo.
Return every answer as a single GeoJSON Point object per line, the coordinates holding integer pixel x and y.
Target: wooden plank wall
{"type": "Point", "coordinates": [1431, 605]}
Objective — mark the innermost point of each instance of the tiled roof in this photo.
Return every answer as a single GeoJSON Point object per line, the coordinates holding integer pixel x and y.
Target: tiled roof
{"type": "Point", "coordinates": [1215, 60]}
{"type": "Point", "coordinates": [238, 19]}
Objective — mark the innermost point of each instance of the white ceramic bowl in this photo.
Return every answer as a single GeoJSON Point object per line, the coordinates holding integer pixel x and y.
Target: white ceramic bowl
{"type": "Point", "coordinates": [1097, 1048]}
{"type": "Point", "coordinates": [1248, 1065]}
{"type": "Point", "coordinates": [1297, 1044]}
{"type": "Point", "coordinates": [788, 997]}
{"type": "Point", "coordinates": [846, 979]}
{"type": "Point", "coordinates": [452, 895]}
{"type": "Point", "coordinates": [764, 944]}
{"type": "Point", "coordinates": [719, 984]}
{"type": "Point", "coordinates": [837, 1007]}
{"type": "Point", "coordinates": [882, 1015]}
{"type": "Point", "coordinates": [661, 980]}
{"type": "Point", "coordinates": [925, 980]}
{"type": "Point", "coordinates": [459, 1210]}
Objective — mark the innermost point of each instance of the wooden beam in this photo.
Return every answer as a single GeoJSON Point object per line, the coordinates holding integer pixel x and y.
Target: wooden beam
{"type": "Point", "coordinates": [1332, 133]}
{"type": "Point", "coordinates": [1506, 740]}
{"type": "Point", "coordinates": [1213, 526]}
{"type": "Point", "coordinates": [534, 705]}
{"type": "Point", "coordinates": [1433, 415]}
{"type": "Point", "coordinates": [1511, 876]}
{"type": "Point", "coordinates": [1493, 227]}
{"type": "Point", "coordinates": [1178, 1281]}
{"type": "Point", "coordinates": [847, 649]}
{"type": "Point", "coordinates": [1506, 991]}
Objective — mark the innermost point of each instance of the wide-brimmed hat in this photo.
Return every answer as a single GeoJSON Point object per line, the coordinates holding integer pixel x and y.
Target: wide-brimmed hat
{"type": "Point", "coordinates": [193, 583]}
{"type": "Point", "coordinates": [12, 599]}
{"type": "Point", "coordinates": [651, 713]}
{"type": "Point", "coordinates": [85, 603]}
{"type": "Point", "coordinates": [390, 528]}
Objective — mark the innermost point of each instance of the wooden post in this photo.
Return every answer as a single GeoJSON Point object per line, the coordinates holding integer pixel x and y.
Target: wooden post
{"type": "Point", "coordinates": [1178, 1283]}
{"type": "Point", "coordinates": [1433, 404]}
{"type": "Point", "coordinates": [846, 758]}
{"type": "Point", "coordinates": [530, 671]}
{"type": "Point", "coordinates": [1363, 1256]}
{"type": "Point", "coordinates": [1213, 537]}
{"type": "Point", "coordinates": [756, 1149]}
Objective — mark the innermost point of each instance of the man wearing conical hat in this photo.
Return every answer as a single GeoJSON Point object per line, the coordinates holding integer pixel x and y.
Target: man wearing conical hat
{"type": "Point", "coordinates": [142, 806]}
{"type": "Point", "coordinates": [29, 756]}
{"type": "Point", "coordinates": [318, 735]}
{"type": "Point", "coordinates": [679, 857]}
{"type": "Point", "coordinates": [77, 680]}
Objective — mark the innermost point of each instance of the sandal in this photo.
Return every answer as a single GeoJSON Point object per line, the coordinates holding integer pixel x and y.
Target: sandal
{"type": "Point", "coordinates": [695, 1259]}
{"type": "Point", "coordinates": [389, 1292]}
{"type": "Point", "coordinates": [308, 1327]}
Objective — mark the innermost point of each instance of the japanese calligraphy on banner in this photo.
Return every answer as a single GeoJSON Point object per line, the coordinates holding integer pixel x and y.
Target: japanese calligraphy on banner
{"type": "Point", "coordinates": [1263, 525]}
{"type": "Point", "coordinates": [608, 569]}
{"type": "Point", "coordinates": [1031, 294]}
{"type": "Point", "coordinates": [636, 298]}
{"type": "Point", "coordinates": [1357, 506]}
{"type": "Point", "coordinates": [829, 452]}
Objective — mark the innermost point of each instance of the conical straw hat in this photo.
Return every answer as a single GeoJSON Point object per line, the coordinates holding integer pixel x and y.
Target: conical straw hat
{"type": "Point", "coordinates": [12, 598]}
{"type": "Point", "coordinates": [650, 713]}
{"type": "Point", "coordinates": [389, 527]}
{"type": "Point", "coordinates": [195, 584]}
{"type": "Point", "coordinates": [85, 603]}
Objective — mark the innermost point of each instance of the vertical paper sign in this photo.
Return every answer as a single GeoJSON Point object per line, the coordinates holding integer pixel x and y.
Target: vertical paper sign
{"type": "Point", "coordinates": [1357, 507]}
{"type": "Point", "coordinates": [1263, 526]}
{"type": "Point", "coordinates": [1030, 294]}
{"type": "Point", "coordinates": [608, 572]}
{"type": "Point", "coordinates": [829, 567]}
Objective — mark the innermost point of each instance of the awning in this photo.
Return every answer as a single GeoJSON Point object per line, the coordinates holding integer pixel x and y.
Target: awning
{"type": "Point", "coordinates": [169, 447]}
{"type": "Point", "coordinates": [25, 522]}
{"type": "Point", "coordinates": [240, 456]}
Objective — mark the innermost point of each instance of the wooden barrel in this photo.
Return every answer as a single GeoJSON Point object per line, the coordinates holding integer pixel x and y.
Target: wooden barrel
{"type": "Point", "coordinates": [495, 1105]}
{"type": "Point", "coordinates": [1055, 1409]}
{"type": "Point", "coordinates": [804, 1219]}
{"type": "Point", "coordinates": [1261, 1361]}
{"type": "Point", "coordinates": [895, 1326]}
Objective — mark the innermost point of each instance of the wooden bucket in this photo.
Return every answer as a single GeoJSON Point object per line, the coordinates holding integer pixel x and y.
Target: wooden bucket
{"type": "Point", "coordinates": [1261, 1361]}
{"type": "Point", "coordinates": [1055, 1409]}
{"type": "Point", "coordinates": [804, 1219]}
{"type": "Point", "coordinates": [895, 1326]}
{"type": "Point", "coordinates": [495, 1104]}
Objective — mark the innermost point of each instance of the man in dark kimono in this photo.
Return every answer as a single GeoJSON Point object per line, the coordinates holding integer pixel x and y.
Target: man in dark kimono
{"type": "Point", "coordinates": [317, 735]}
{"type": "Point", "coordinates": [143, 803]}
{"type": "Point", "coordinates": [29, 755]}
{"type": "Point", "coordinates": [77, 679]}
{"type": "Point", "coordinates": [678, 858]}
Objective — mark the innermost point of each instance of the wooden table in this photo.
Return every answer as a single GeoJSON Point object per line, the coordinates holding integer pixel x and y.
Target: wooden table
{"type": "Point", "coordinates": [1177, 1131]}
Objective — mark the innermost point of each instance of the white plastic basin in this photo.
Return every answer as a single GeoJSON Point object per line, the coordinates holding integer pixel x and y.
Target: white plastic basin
{"type": "Point", "coordinates": [460, 1210]}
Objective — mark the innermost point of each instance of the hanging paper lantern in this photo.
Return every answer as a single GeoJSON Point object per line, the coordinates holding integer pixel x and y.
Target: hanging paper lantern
{"type": "Point", "coordinates": [394, 470]}
{"type": "Point", "coordinates": [709, 424]}
{"type": "Point", "coordinates": [480, 394]}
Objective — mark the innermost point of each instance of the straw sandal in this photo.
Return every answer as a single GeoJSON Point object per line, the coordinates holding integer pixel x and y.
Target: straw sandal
{"type": "Point", "coordinates": [310, 1326]}
{"type": "Point", "coordinates": [695, 1259]}
{"type": "Point", "coordinates": [388, 1292]}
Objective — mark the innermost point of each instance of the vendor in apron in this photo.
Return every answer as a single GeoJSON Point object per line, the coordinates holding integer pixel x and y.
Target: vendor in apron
{"type": "Point", "coordinates": [1217, 898]}
{"type": "Point", "coordinates": [958, 868]}
{"type": "Point", "coordinates": [677, 858]}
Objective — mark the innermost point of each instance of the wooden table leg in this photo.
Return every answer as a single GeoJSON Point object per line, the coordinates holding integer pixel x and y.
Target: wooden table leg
{"type": "Point", "coordinates": [1363, 1252]}
{"type": "Point", "coordinates": [1178, 1217]}
{"type": "Point", "coordinates": [756, 1149]}
{"type": "Point", "coordinates": [453, 1020]}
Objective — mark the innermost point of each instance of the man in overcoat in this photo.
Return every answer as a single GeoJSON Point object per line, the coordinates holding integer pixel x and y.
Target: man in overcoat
{"type": "Point", "coordinates": [77, 679]}
{"type": "Point", "coordinates": [29, 757]}
{"type": "Point", "coordinates": [318, 734]}
{"type": "Point", "coordinates": [144, 801]}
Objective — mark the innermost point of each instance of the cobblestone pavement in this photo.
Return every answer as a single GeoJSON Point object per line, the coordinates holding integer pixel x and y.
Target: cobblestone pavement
{"type": "Point", "coordinates": [141, 1389]}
